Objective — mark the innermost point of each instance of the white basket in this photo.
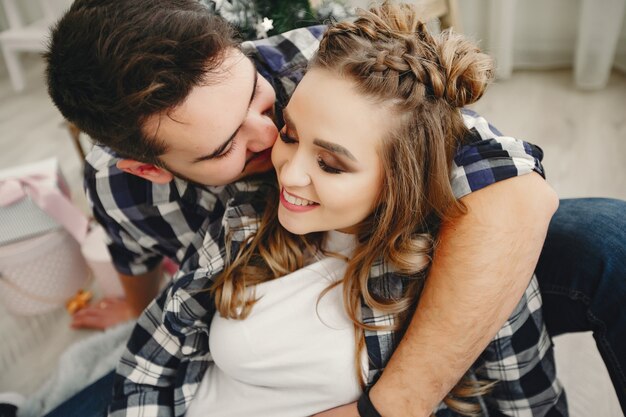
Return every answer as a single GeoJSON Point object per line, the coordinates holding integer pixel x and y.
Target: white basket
{"type": "Point", "coordinates": [40, 274]}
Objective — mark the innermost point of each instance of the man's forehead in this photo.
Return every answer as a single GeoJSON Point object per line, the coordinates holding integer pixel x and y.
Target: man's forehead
{"type": "Point", "coordinates": [212, 112]}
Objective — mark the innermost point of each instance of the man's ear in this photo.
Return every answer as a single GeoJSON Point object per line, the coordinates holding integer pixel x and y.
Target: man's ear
{"type": "Point", "coordinates": [146, 171]}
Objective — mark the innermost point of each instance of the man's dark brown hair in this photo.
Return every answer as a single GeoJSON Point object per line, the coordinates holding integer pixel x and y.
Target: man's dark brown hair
{"type": "Point", "coordinates": [113, 63]}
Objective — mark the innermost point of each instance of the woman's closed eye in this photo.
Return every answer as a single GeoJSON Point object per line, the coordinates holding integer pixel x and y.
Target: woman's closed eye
{"type": "Point", "coordinates": [328, 165]}
{"type": "Point", "coordinates": [326, 161]}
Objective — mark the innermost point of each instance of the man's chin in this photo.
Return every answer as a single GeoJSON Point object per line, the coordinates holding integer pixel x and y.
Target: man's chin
{"type": "Point", "coordinates": [190, 180]}
{"type": "Point", "coordinates": [251, 169]}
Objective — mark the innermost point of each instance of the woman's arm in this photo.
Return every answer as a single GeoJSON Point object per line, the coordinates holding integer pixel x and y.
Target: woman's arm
{"type": "Point", "coordinates": [481, 268]}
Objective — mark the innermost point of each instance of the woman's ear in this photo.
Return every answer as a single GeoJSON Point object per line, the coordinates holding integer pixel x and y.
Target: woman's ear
{"type": "Point", "coordinates": [146, 171]}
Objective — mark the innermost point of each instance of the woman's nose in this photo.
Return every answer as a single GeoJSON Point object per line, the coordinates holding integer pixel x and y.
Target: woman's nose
{"type": "Point", "coordinates": [294, 174]}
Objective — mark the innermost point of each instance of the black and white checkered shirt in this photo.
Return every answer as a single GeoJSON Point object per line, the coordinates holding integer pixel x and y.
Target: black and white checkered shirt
{"type": "Point", "coordinates": [168, 352]}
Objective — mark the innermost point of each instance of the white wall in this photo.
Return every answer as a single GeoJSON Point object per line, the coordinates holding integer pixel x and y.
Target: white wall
{"type": "Point", "coordinates": [545, 31]}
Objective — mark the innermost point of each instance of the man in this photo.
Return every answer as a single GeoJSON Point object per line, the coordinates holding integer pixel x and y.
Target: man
{"type": "Point", "coordinates": [146, 80]}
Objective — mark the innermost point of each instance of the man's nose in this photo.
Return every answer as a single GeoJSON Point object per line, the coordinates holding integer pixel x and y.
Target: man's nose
{"type": "Point", "coordinates": [262, 133]}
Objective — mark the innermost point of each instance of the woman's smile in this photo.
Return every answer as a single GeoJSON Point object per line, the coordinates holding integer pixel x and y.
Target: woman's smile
{"type": "Point", "coordinates": [295, 203]}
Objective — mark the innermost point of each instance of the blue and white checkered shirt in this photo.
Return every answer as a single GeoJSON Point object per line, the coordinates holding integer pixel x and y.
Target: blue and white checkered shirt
{"type": "Point", "coordinates": [168, 353]}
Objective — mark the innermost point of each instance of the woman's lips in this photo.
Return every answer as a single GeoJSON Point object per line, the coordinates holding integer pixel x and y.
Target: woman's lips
{"type": "Point", "coordinates": [299, 208]}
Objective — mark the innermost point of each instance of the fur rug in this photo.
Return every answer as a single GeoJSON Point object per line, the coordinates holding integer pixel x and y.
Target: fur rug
{"type": "Point", "coordinates": [80, 365]}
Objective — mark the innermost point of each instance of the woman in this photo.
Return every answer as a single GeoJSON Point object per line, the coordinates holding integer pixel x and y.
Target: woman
{"type": "Point", "coordinates": [312, 287]}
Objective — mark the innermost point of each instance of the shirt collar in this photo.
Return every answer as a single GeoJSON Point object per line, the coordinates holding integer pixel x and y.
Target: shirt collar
{"type": "Point", "coordinates": [205, 197]}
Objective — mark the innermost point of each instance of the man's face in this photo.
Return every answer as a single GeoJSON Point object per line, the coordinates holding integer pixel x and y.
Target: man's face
{"type": "Point", "coordinates": [222, 132]}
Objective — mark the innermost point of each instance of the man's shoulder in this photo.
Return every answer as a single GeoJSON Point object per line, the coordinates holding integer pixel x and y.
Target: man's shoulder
{"type": "Point", "coordinates": [281, 51]}
{"type": "Point", "coordinates": [283, 59]}
{"type": "Point", "coordinates": [486, 156]}
{"type": "Point", "coordinates": [101, 159]}
{"type": "Point", "coordinates": [299, 37]}
{"type": "Point", "coordinates": [117, 188]}
{"type": "Point", "coordinates": [101, 168]}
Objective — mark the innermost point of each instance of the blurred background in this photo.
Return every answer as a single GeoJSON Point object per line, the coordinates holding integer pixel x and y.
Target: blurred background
{"type": "Point", "coordinates": [561, 85]}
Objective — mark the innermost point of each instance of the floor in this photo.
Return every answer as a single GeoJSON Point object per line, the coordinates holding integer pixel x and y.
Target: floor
{"type": "Point", "coordinates": [583, 135]}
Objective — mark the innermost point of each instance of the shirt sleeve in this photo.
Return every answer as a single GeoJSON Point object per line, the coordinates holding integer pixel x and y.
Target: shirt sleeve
{"type": "Point", "coordinates": [128, 255]}
{"type": "Point", "coordinates": [283, 59]}
{"type": "Point", "coordinates": [520, 360]}
{"type": "Point", "coordinates": [487, 157]}
{"type": "Point", "coordinates": [168, 351]}
{"type": "Point", "coordinates": [160, 368]}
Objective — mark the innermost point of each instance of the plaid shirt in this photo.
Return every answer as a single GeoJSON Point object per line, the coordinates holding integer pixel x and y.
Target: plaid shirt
{"type": "Point", "coordinates": [168, 353]}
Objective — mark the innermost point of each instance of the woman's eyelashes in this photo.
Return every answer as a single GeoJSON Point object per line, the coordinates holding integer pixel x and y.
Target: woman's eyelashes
{"type": "Point", "coordinates": [326, 166]}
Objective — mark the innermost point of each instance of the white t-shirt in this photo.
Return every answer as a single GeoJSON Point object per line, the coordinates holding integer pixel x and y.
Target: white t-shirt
{"type": "Point", "coordinates": [293, 355]}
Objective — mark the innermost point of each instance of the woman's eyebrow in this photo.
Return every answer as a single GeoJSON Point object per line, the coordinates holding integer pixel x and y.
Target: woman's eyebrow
{"type": "Point", "coordinates": [329, 146]}
{"type": "Point", "coordinates": [335, 148]}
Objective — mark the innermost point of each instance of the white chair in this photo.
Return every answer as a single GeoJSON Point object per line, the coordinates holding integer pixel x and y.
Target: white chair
{"type": "Point", "coordinates": [26, 37]}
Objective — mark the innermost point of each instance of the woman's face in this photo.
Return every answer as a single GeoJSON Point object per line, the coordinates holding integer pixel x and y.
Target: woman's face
{"type": "Point", "coordinates": [327, 155]}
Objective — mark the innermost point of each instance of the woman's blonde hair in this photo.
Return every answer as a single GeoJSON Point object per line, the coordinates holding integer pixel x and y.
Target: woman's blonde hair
{"type": "Point", "coordinates": [389, 57]}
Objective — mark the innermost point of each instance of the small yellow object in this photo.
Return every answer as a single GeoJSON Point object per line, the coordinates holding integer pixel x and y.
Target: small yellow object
{"type": "Point", "coordinates": [78, 301]}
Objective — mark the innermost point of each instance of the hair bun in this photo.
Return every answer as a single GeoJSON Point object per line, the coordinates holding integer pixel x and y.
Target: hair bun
{"type": "Point", "coordinates": [468, 71]}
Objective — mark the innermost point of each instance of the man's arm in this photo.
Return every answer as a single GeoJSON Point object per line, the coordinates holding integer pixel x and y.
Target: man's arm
{"type": "Point", "coordinates": [144, 381]}
{"type": "Point", "coordinates": [140, 290]}
{"type": "Point", "coordinates": [481, 268]}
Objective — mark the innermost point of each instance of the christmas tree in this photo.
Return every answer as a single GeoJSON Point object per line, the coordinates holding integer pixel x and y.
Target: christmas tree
{"type": "Point", "coordinates": [286, 14]}
{"type": "Point", "coordinates": [262, 18]}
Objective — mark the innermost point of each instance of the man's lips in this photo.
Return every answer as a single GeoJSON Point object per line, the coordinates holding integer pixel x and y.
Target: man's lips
{"type": "Point", "coordinates": [259, 157]}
